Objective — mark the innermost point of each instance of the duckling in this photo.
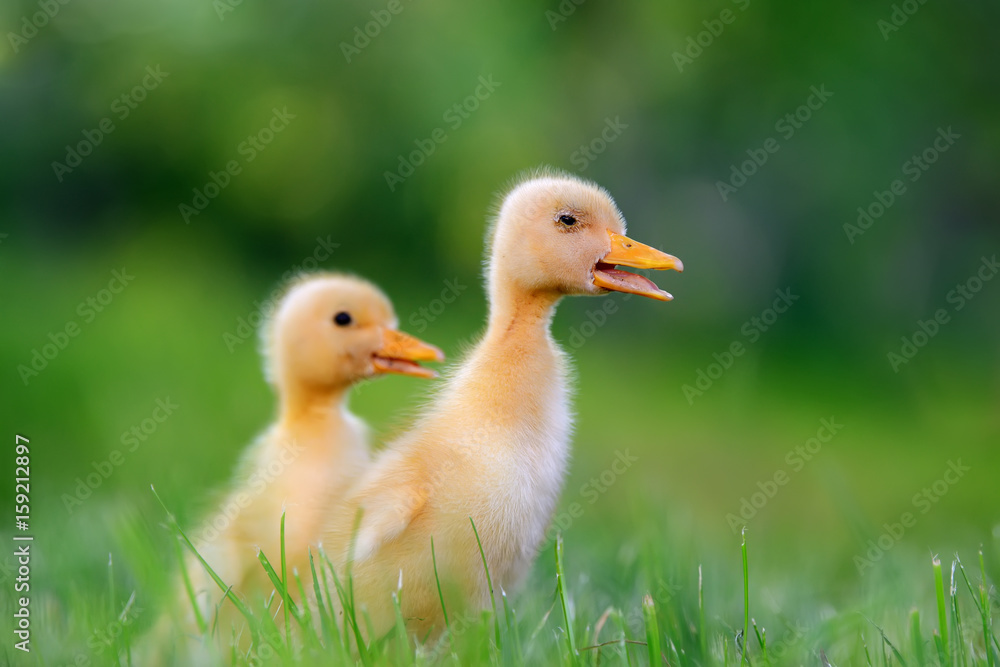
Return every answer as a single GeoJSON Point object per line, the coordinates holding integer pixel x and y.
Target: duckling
{"type": "Point", "coordinates": [493, 445]}
{"type": "Point", "coordinates": [328, 332]}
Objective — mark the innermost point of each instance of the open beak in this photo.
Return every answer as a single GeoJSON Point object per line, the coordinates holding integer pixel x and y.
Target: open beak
{"type": "Point", "coordinates": [400, 353]}
{"type": "Point", "coordinates": [626, 252]}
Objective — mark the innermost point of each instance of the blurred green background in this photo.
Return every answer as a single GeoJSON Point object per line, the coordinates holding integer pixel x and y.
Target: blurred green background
{"type": "Point", "coordinates": [559, 76]}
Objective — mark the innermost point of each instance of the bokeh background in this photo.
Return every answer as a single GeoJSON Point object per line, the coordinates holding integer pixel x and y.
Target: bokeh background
{"type": "Point", "coordinates": [560, 74]}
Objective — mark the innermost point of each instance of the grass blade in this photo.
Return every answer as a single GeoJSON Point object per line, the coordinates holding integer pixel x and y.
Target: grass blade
{"type": "Point", "coordinates": [402, 639]}
{"type": "Point", "coordinates": [284, 583]}
{"type": "Point", "coordinates": [489, 582]}
{"type": "Point", "coordinates": [227, 590]}
{"type": "Point", "coordinates": [444, 609]}
{"type": "Point", "coordinates": [279, 585]}
{"type": "Point", "coordinates": [561, 590]}
{"type": "Point", "coordinates": [625, 640]}
{"type": "Point", "coordinates": [702, 627]}
{"type": "Point", "coordinates": [958, 632]}
{"type": "Point", "coordinates": [746, 594]}
{"type": "Point", "coordinates": [304, 611]}
{"type": "Point", "coordinates": [199, 618]}
{"type": "Point", "coordinates": [652, 630]}
{"type": "Point", "coordinates": [513, 633]}
{"type": "Point", "coordinates": [325, 624]}
{"type": "Point", "coordinates": [113, 596]}
{"type": "Point", "coordinates": [887, 642]}
{"type": "Point", "coordinates": [868, 656]}
{"type": "Point", "coordinates": [761, 640]}
{"type": "Point", "coordinates": [984, 599]}
{"type": "Point", "coordinates": [346, 604]}
{"type": "Point", "coordinates": [976, 599]}
{"type": "Point", "coordinates": [916, 638]}
{"type": "Point", "coordinates": [941, 640]}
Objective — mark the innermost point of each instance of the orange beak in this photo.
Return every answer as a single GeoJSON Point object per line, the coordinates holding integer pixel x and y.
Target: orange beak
{"type": "Point", "coordinates": [626, 252]}
{"type": "Point", "coordinates": [400, 352]}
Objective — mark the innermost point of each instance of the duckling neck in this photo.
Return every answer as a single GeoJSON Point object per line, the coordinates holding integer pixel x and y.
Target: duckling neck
{"type": "Point", "coordinates": [516, 379]}
{"type": "Point", "coordinates": [519, 316]}
{"type": "Point", "coordinates": [310, 415]}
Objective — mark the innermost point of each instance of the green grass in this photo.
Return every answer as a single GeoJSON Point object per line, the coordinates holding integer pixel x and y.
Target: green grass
{"type": "Point", "coordinates": [649, 561]}
{"type": "Point", "coordinates": [702, 618]}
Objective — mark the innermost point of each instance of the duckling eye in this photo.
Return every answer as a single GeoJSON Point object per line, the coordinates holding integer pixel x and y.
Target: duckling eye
{"type": "Point", "coordinates": [567, 220]}
{"type": "Point", "coordinates": [342, 319]}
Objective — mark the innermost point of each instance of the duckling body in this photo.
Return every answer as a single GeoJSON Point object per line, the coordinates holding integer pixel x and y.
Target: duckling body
{"type": "Point", "coordinates": [298, 467]}
{"type": "Point", "coordinates": [329, 332]}
{"type": "Point", "coordinates": [494, 448]}
{"type": "Point", "coordinates": [494, 444]}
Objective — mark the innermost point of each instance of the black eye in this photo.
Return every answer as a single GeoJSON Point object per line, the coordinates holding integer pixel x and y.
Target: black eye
{"type": "Point", "coordinates": [342, 319]}
{"type": "Point", "coordinates": [567, 220]}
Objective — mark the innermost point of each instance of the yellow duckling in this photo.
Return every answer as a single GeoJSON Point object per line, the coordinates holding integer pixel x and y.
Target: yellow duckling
{"type": "Point", "coordinates": [328, 333]}
{"type": "Point", "coordinates": [494, 443]}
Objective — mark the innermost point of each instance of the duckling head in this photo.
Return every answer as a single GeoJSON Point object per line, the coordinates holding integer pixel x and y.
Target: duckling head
{"type": "Point", "coordinates": [556, 233]}
{"type": "Point", "coordinates": [331, 330]}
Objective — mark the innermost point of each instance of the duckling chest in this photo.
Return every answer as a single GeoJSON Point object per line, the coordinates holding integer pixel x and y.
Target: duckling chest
{"type": "Point", "coordinates": [516, 485]}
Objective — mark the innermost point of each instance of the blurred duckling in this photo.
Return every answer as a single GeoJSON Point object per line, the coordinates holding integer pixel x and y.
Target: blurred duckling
{"type": "Point", "coordinates": [329, 332]}
{"type": "Point", "coordinates": [493, 445]}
